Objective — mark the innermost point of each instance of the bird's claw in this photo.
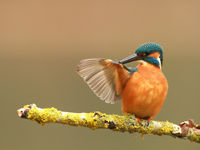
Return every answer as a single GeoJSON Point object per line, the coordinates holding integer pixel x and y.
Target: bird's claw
{"type": "Point", "coordinates": [142, 123]}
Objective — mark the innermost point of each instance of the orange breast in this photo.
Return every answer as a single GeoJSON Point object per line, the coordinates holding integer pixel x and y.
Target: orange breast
{"type": "Point", "coordinates": [145, 92]}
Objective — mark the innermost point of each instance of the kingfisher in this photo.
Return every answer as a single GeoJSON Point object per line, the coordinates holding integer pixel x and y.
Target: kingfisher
{"type": "Point", "coordinates": [142, 89]}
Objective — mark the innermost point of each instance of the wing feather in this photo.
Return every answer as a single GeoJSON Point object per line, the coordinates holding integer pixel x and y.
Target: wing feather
{"type": "Point", "coordinates": [104, 77]}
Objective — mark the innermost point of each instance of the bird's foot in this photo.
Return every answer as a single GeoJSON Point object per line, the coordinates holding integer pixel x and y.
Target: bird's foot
{"type": "Point", "coordinates": [138, 120]}
{"type": "Point", "coordinates": [147, 121]}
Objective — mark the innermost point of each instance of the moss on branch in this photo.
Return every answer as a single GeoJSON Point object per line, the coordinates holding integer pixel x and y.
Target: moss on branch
{"type": "Point", "coordinates": [97, 120]}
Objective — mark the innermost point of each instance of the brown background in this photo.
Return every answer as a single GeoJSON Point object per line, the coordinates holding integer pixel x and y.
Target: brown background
{"type": "Point", "coordinates": [42, 41]}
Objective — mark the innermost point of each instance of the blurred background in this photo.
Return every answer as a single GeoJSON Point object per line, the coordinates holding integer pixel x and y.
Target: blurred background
{"type": "Point", "coordinates": [41, 43]}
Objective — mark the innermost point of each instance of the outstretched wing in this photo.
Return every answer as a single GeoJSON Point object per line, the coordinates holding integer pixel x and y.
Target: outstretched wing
{"type": "Point", "coordinates": [105, 77]}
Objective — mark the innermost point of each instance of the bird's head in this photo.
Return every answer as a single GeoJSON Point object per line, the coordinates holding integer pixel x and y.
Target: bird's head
{"type": "Point", "coordinates": [148, 52]}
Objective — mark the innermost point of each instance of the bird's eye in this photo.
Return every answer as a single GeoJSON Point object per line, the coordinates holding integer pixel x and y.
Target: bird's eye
{"type": "Point", "coordinates": [142, 54]}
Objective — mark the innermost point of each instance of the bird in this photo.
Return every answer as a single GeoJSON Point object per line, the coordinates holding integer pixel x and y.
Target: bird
{"type": "Point", "coordinates": [142, 89]}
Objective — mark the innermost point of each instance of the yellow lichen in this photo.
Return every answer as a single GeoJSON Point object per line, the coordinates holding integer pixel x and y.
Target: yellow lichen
{"type": "Point", "coordinates": [26, 106]}
{"type": "Point", "coordinates": [122, 123]}
{"type": "Point", "coordinates": [44, 115]}
{"type": "Point", "coordinates": [166, 128]}
{"type": "Point", "coordinates": [98, 120]}
{"type": "Point", "coordinates": [193, 136]}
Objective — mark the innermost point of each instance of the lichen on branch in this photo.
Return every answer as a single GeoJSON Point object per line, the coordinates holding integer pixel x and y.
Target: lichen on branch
{"type": "Point", "coordinates": [97, 120]}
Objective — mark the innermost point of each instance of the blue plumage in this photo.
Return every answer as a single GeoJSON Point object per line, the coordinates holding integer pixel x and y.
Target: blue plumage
{"type": "Point", "coordinates": [147, 48]}
{"type": "Point", "coordinates": [152, 60]}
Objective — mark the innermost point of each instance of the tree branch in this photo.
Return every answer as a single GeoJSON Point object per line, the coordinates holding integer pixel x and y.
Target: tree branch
{"type": "Point", "coordinates": [97, 120]}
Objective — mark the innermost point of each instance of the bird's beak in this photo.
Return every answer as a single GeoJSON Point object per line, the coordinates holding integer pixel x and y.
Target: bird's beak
{"type": "Point", "coordinates": [131, 58]}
